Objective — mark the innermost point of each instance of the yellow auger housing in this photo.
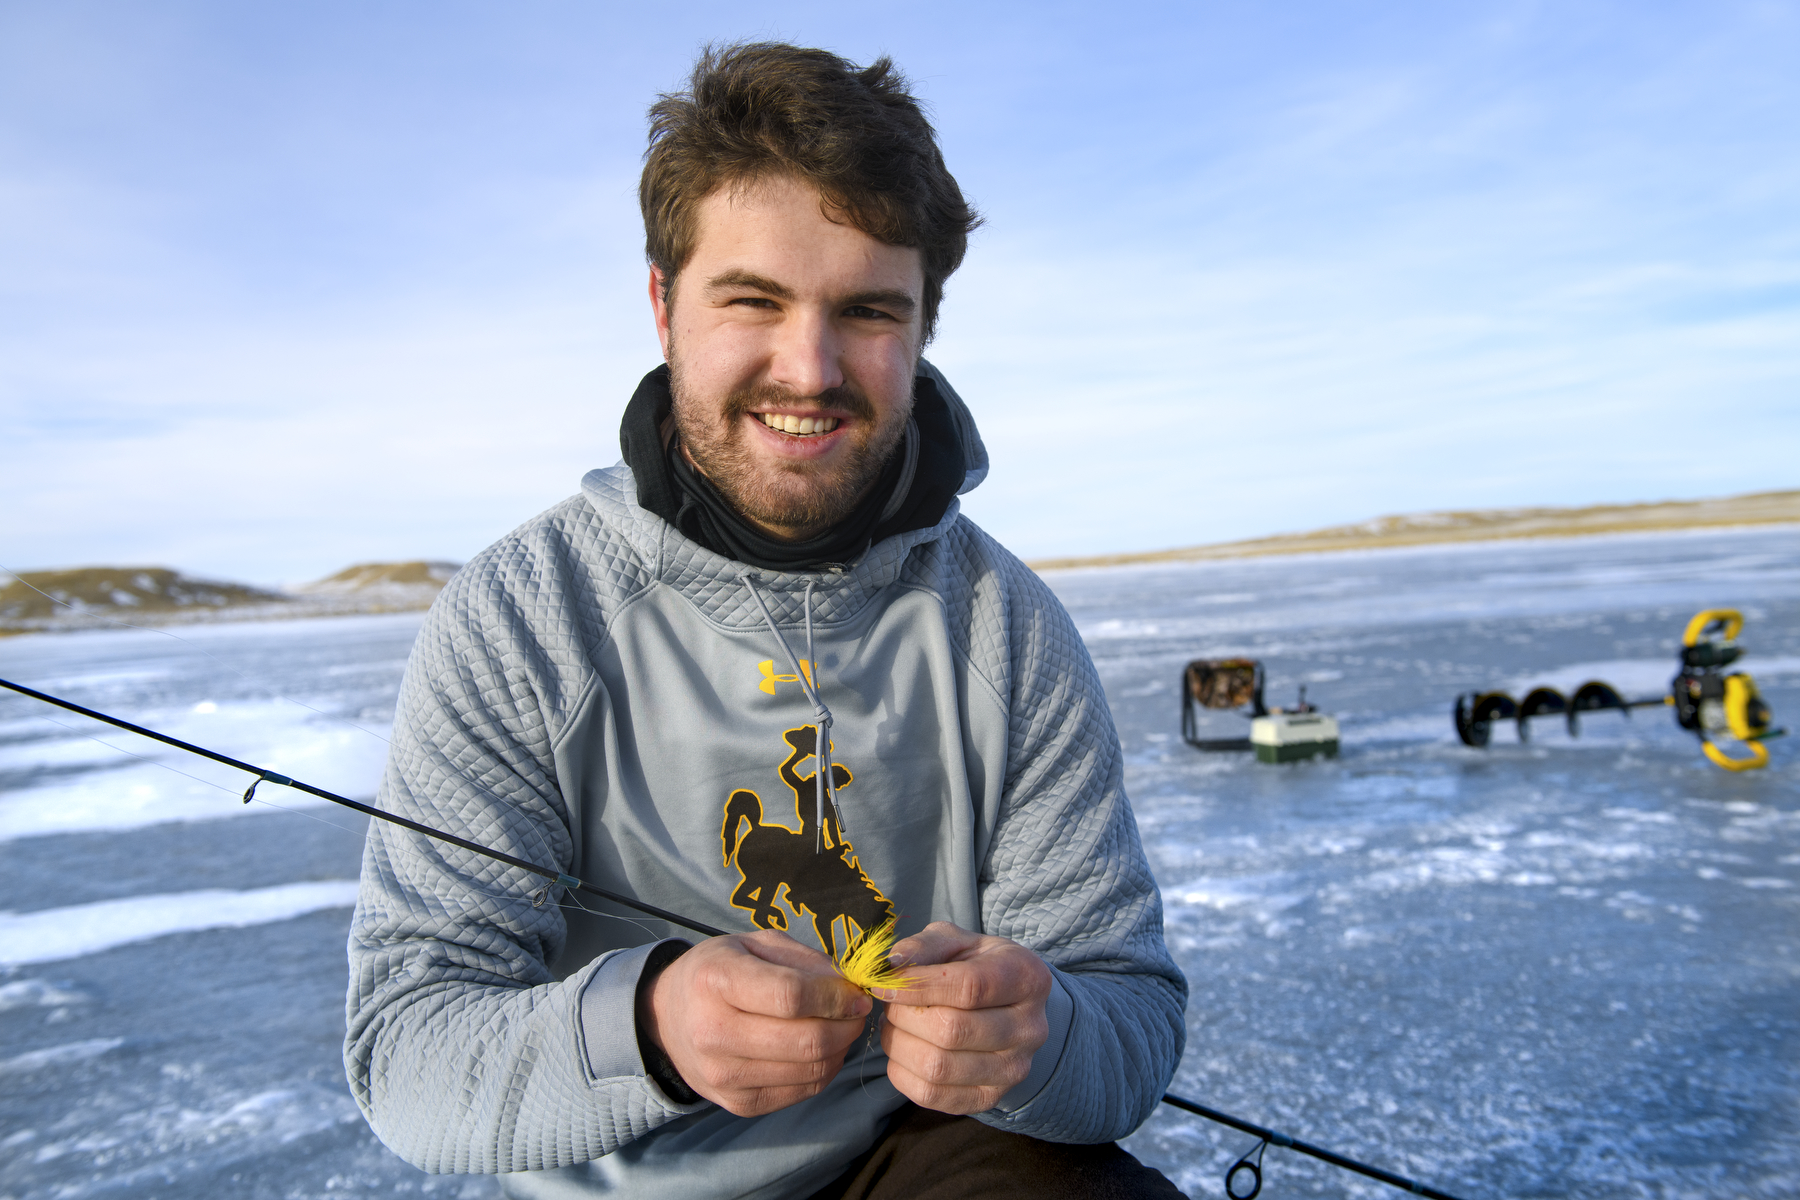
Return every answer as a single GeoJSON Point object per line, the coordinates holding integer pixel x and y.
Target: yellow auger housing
{"type": "Point", "coordinates": [1747, 718]}
{"type": "Point", "coordinates": [1712, 704]}
{"type": "Point", "coordinates": [1730, 619]}
{"type": "Point", "coordinates": [1745, 714]}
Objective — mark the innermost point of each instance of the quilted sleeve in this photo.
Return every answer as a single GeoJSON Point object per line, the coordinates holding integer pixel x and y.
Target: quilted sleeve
{"type": "Point", "coordinates": [461, 1049]}
{"type": "Point", "coordinates": [1066, 875]}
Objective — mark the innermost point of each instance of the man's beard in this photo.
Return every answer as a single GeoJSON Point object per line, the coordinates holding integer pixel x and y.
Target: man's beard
{"type": "Point", "coordinates": [800, 500]}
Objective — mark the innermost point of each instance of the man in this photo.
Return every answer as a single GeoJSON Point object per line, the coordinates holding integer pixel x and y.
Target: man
{"type": "Point", "coordinates": [763, 675]}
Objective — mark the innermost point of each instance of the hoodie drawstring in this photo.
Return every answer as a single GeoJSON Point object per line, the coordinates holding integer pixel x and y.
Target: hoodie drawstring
{"type": "Point", "coordinates": [822, 781]}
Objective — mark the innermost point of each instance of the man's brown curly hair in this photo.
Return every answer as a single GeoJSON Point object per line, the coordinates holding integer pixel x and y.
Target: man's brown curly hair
{"type": "Point", "coordinates": [761, 109]}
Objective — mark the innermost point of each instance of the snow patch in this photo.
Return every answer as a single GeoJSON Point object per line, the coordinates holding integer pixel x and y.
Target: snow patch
{"type": "Point", "coordinates": [59, 1056]}
{"type": "Point", "coordinates": [50, 935]}
{"type": "Point", "coordinates": [37, 993]}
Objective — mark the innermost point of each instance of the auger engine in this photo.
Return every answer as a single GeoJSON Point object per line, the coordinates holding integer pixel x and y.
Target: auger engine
{"type": "Point", "coordinates": [1709, 702]}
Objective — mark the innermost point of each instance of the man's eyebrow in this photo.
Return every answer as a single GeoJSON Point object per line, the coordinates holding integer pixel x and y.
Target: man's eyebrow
{"type": "Point", "coordinates": [736, 279]}
{"type": "Point", "coordinates": [739, 279]}
{"type": "Point", "coordinates": [889, 298]}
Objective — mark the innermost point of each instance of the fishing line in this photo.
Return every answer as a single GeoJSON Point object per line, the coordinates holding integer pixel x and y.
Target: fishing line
{"type": "Point", "coordinates": [209, 783]}
{"type": "Point", "coordinates": [570, 884]}
{"type": "Point", "coordinates": [264, 775]}
{"type": "Point", "coordinates": [570, 901]}
{"type": "Point", "coordinates": [82, 733]}
{"type": "Point", "coordinates": [153, 629]}
{"type": "Point", "coordinates": [573, 901]}
{"type": "Point", "coordinates": [462, 771]}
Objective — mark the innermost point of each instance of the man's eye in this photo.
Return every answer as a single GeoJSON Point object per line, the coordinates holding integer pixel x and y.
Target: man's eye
{"type": "Point", "coordinates": [752, 302]}
{"type": "Point", "coordinates": [863, 312]}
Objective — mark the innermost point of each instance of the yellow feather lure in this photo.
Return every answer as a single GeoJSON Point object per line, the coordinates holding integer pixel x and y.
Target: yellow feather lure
{"type": "Point", "coordinates": [865, 962]}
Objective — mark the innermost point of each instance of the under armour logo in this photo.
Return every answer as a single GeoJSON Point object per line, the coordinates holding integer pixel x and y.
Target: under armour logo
{"type": "Point", "coordinates": [770, 678]}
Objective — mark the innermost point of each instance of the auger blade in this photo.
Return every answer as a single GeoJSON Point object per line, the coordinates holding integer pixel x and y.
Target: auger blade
{"type": "Point", "coordinates": [1539, 701]}
{"type": "Point", "coordinates": [1476, 712]}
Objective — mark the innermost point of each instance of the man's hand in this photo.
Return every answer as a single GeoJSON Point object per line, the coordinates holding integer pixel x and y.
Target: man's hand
{"type": "Point", "coordinates": [963, 1035]}
{"type": "Point", "coordinates": [754, 1022]}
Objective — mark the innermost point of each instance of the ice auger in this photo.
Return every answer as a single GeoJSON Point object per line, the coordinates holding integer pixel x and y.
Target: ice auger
{"type": "Point", "coordinates": [1708, 702]}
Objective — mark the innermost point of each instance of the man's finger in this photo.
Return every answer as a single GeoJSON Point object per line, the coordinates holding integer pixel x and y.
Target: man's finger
{"type": "Point", "coordinates": [938, 942]}
{"type": "Point", "coordinates": [955, 1068]}
{"type": "Point", "coordinates": [776, 946]}
{"type": "Point", "coordinates": [981, 1030]}
{"type": "Point", "coordinates": [959, 985]}
{"type": "Point", "coordinates": [748, 976]}
{"type": "Point", "coordinates": [1000, 974]}
{"type": "Point", "coordinates": [751, 1037]}
{"type": "Point", "coordinates": [755, 1102]}
{"type": "Point", "coordinates": [945, 1098]}
{"type": "Point", "coordinates": [728, 1074]}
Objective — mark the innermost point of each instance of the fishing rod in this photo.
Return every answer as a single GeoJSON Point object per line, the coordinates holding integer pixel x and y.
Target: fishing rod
{"type": "Point", "coordinates": [1254, 1169]}
{"type": "Point", "coordinates": [1243, 1170]}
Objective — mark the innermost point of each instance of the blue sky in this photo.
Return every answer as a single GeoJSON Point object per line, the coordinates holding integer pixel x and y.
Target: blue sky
{"type": "Point", "coordinates": [284, 287]}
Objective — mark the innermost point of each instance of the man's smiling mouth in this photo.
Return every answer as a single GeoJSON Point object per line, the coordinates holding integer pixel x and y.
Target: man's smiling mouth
{"type": "Point", "coordinates": [801, 426]}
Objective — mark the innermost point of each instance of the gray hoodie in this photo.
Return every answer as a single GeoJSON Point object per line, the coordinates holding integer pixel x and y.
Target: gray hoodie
{"type": "Point", "coordinates": [599, 694]}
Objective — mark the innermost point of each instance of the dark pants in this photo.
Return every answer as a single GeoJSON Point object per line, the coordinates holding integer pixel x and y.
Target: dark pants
{"type": "Point", "coordinates": [929, 1155]}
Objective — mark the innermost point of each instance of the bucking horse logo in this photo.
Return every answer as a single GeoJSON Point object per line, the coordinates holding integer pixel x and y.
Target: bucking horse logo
{"type": "Point", "coordinates": [821, 873]}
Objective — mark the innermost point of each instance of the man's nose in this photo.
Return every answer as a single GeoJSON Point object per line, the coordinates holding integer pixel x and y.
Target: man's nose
{"type": "Point", "coordinates": [807, 355]}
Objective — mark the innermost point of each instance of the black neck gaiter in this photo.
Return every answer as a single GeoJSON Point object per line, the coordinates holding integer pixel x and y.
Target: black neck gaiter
{"type": "Point", "coordinates": [913, 491]}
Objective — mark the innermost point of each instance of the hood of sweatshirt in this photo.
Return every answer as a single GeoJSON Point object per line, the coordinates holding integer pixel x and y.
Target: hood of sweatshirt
{"type": "Point", "coordinates": [975, 455]}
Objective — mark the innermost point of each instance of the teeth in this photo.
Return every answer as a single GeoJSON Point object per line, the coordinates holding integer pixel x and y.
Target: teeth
{"type": "Point", "coordinates": [798, 425]}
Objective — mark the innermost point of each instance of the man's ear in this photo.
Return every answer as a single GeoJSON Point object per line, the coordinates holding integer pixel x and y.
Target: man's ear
{"type": "Point", "coordinates": [659, 305]}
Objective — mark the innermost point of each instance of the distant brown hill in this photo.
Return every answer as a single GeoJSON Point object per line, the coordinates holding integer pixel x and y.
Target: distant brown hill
{"type": "Point", "coordinates": [1419, 529]}
{"type": "Point", "coordinates": [98, 597]}
{"type": "Point", "coordinates": [38, 595]}
{"type": "Point", "coordinates": [416, 574]}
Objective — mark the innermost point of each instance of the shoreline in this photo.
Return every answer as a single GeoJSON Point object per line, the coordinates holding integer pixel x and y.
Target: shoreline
{"type": "Point", "coordinates": [1757, 511]}
{"type": "Point", "coordinates": [204, 619]}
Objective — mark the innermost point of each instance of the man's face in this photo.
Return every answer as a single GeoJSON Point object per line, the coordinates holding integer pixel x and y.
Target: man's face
{"type": "Point", "coordinates": [791, 342]}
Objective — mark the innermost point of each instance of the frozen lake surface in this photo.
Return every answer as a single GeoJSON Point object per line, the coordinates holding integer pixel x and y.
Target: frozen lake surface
{"type": "Point", "coordinates": [1569, 968]}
